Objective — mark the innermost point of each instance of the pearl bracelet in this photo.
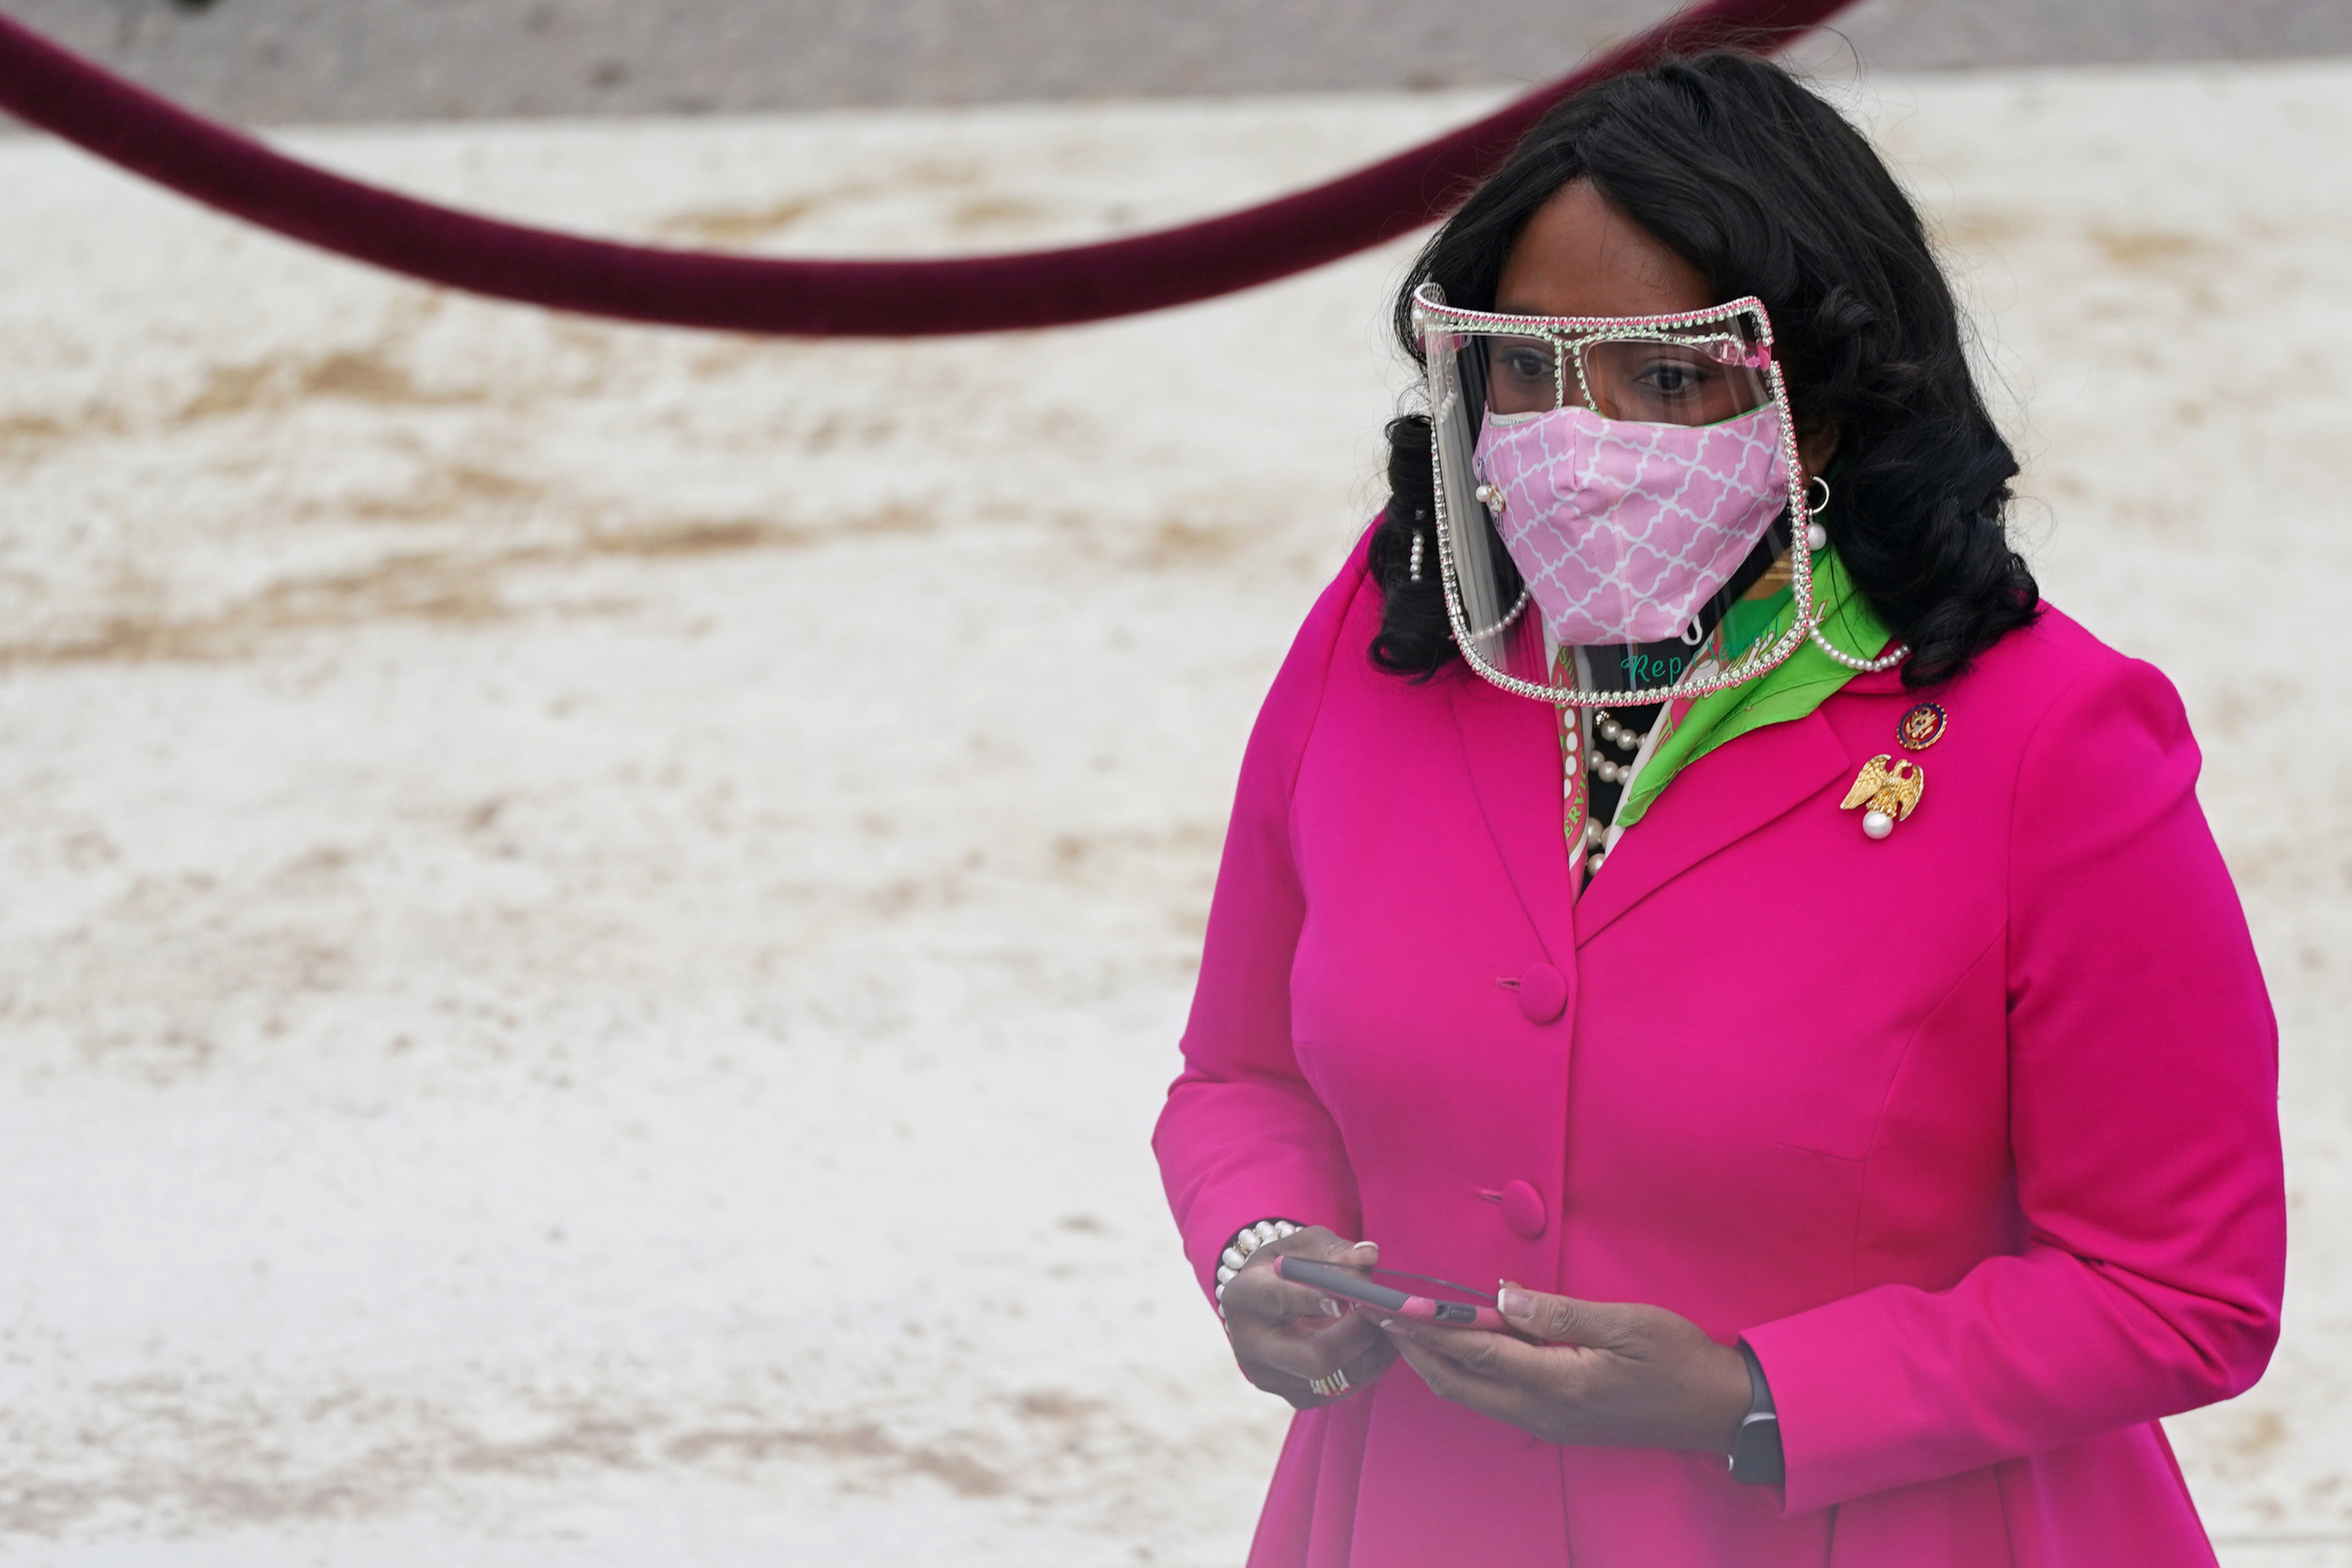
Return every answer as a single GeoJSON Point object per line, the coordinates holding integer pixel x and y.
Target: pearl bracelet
{"type": "Point", "coordinates": [1246, 1240]}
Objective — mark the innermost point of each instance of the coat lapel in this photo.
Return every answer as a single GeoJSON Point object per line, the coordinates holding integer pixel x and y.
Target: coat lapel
{"type": "Point", "coordinates": [1715, 802]}
{"type": "Point", "coordinates": [1511, 745]}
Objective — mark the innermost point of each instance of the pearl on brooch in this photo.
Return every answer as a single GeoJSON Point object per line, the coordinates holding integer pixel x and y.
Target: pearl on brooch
{"type": "Point", "coordinates": [1876, 824]}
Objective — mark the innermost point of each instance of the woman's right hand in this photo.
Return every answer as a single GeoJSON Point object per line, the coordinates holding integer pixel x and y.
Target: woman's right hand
{"type": "Point", "coordinates": [1283, 1334]}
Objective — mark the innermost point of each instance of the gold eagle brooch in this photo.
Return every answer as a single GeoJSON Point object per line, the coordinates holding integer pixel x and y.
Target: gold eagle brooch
{"type": "Point", "coordinates": [1890, 789]}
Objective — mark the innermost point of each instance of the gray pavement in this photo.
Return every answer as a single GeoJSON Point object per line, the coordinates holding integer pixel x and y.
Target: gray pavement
{"type": "Point", "coordinates": [276, 61]}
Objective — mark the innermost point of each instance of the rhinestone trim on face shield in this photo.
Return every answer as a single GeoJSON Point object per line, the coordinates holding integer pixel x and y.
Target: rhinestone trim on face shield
{"type": "Point", "coordinates": [1570, 333]}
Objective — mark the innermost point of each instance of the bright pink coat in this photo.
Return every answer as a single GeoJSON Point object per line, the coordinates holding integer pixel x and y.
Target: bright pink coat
{"type": "Point", "coordinates": [1972, 1133]}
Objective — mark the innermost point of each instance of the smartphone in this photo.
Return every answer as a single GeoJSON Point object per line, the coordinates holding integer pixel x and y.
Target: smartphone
{"type": "Point", "coordinates": [1352, 1284]}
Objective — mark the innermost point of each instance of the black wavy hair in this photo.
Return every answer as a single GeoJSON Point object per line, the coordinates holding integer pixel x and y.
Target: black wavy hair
{"type": "Point", "coordinates": [1766, 189]}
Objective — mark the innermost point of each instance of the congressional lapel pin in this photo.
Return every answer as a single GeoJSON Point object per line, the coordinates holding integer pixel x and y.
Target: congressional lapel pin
{"type": "Point", "coordinates": [1891, 788]}
{"type": "Point", "coordinates": [1921, 728]}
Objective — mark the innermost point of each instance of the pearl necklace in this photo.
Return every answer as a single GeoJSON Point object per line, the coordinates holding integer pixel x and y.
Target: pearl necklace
{"type": "Point", "coordinates": [1606, 728]}
{"type": "Point", "coordinates": [1886, 660]}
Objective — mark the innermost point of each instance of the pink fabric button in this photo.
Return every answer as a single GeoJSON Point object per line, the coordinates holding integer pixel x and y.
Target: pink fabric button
{"type": "Point", "coordinates": [1523, 1210]}
{"type": "Point", "coordinates": [1543, 994]}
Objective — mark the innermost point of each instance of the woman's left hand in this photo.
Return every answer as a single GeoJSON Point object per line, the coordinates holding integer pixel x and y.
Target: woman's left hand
{"type": "Point", "coordinates": [1624, 1375]}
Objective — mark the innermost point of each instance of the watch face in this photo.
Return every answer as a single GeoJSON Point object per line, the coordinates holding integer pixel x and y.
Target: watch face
{"type": "Point", "coordinates": [1756, 1456]}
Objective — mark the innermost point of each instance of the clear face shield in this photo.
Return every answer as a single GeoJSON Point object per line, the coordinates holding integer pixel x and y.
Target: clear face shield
{"type": "Point", "coordinates": [1603, 479]}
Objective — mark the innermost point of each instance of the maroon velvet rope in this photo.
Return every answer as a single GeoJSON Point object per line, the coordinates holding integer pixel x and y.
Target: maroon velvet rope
{"type": "Point", "coordinates": [63, 93]}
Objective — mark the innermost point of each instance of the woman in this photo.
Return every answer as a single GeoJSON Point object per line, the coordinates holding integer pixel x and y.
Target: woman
{"type": "Point", "coordinates": [1865, 1167]}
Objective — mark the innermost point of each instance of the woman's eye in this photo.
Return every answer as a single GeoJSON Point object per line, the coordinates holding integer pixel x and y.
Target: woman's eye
{"type": "Point", "coordinates": [1526, 367]}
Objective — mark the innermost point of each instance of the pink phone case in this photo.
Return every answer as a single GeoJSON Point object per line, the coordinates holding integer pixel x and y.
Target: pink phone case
{"type": "Point", "coordinates": [1454, 1315]}
{"type": "Point", "coordinates": [1352, 1284]}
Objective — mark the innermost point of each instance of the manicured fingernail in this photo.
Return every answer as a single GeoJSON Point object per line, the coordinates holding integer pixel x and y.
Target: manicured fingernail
{"type": "Point", "coordinates": [1332, 1308]}
{"type": "Point", "coordinates": [1371, 1246]}
{"type": "Point", "coordinates": [1388, 1325]}
{"type": "Point", "coordinates": [1516, 1304]}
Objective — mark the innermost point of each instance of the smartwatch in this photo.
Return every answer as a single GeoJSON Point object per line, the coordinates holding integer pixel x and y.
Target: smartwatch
{"type": "Point", "coordinates": [1756, 1448]}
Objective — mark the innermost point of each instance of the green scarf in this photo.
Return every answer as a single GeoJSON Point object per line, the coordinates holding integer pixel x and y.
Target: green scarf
{"type": "Point", "coordinates": [1789, 689]}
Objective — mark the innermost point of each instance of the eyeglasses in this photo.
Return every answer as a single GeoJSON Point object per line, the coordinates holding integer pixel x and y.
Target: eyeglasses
{"type": "Point", "coordinates": [1643, 376]}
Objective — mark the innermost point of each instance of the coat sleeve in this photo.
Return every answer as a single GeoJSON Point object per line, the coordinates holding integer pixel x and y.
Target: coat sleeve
{"type": "Point", "coordinates": [1243, 1138]}
{"type": "Point", "coordinates": [2143, 1061]}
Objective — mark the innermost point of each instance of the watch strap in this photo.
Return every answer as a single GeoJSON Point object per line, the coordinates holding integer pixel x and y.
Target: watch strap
{"type": "Point", "coordinates": [1756, 1456]}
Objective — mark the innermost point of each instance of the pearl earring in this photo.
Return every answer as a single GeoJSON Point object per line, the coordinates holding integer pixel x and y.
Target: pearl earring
{"type": "Point", "coordinates": [1817, 538]}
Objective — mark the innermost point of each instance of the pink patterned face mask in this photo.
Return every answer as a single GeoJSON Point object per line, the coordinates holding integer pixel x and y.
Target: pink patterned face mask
{"type": "Point", "coordinates": [1623, 531]}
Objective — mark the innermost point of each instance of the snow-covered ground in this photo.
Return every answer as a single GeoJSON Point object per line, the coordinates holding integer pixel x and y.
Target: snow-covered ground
{"type": "Point", "coordinates": [596, 918]}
